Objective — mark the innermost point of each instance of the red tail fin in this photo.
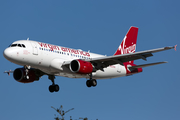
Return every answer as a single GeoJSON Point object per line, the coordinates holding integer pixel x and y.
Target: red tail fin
{"type": "Point", "coordinates": [128, 45]}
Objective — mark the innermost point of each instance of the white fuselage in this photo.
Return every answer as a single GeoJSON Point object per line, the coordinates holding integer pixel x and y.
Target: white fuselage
{"type": "Point", "coordinates": [50, 58]}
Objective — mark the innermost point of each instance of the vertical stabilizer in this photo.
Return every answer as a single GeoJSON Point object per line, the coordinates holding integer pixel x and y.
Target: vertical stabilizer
{"type": "Point", "coordinates": [128, 45]}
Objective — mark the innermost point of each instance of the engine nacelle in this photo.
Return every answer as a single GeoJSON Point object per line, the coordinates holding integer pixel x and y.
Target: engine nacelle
{"type": "Point", "coordinates": [19, 75]}
{"type": "Point", "coordinates": [80, 66]}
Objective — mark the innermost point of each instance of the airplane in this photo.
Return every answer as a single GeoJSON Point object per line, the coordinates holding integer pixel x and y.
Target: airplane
{"type": "Point", "coordinates": [38, 59]}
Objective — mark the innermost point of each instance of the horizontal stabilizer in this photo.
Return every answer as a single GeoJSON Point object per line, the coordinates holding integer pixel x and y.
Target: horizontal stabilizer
{"type": "Point", "coordinates": [8, 72]}
{"type": "Point", "coordinates": [146, 65]}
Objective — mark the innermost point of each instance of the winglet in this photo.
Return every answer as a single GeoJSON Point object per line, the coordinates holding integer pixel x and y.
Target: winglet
{"type": "Point", "coordinates": [175, 47]}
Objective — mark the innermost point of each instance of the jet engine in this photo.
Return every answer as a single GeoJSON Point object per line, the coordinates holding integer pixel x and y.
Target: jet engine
{"type": "Point", "coordinates": [24, 76]}
{"type": "Point", "coordinates": [80, 66]}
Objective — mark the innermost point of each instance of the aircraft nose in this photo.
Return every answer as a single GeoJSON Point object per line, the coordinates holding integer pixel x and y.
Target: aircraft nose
{"type": "Point", "coordinates": [7, 53]}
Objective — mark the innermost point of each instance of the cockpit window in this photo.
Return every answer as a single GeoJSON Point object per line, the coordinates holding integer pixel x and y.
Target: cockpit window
{"type": "Point", "coordinates": [23, 45]}
{"type": "Point", "coordinates": [17, 45]}
{"type": "Point", "coordinates": [13, 45]}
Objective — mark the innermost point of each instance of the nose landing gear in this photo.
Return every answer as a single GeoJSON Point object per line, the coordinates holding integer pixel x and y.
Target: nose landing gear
{"type": "Point", "coordinates": [54, 87]}
{"type": "Point", "coordinates": [27, 68]}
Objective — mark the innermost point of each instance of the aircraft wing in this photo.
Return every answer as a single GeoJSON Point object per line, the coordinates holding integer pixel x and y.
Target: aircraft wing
{"type": "Point", "coordinates": [106, 61]}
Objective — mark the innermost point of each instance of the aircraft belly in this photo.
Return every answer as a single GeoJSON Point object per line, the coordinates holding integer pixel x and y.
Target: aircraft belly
{"type": "Point", "coordinates": [65, 74]}
{"type": "Point", "coordinates": [72, 75]}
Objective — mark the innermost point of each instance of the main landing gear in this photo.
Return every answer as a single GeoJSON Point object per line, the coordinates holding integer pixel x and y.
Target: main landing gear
{"type": "Point", "coordinates": [54, 87]}
{"type": "Point", "coordinates": [91, 82]}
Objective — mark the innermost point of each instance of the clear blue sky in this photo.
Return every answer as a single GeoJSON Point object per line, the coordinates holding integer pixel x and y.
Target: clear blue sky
{"type": "Point", "coordinates": [99, 26]}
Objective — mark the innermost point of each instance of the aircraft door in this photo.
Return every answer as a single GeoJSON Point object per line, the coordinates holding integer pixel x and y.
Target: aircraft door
{"type": "Point", "coordinates": [34, 48]}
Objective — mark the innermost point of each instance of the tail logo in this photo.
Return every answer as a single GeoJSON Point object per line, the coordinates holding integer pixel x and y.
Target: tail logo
{"type": "Point", "coordinates": [125, 50]}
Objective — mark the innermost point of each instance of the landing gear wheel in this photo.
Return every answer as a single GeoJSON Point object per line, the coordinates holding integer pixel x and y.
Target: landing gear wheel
{"type": "Point", "coordinates": [53, 88]}
{"type": "Point", "coordinates": [90, 83]}
{"type": "Point", "coordinates": [93, 82]}
{"type": "Point", "coordinates": [56, 88]}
